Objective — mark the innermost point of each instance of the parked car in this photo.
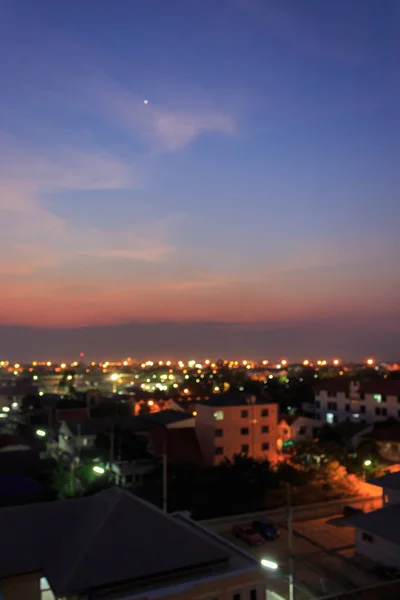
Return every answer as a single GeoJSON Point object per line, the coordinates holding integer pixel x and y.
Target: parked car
{"type": "Point", "coordinates": [266, 529]}
{"type": "Point", "coordinates": [248, 534]}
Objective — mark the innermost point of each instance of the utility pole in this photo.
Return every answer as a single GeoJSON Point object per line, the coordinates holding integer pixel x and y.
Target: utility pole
{"type": "Point", "coordinates": [165, 473]}
{"type": "Point", "coordinates": [290, 539]}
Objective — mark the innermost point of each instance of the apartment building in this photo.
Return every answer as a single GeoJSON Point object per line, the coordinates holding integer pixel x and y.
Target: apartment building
{"type": "Point", "coordinates": [233, 423]}
{"type": "Point", "coordinates": [115, 545]}
{"type": "Point", "coordinates": [343, 399]}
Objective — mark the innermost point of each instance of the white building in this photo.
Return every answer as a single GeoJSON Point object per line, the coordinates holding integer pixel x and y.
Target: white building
{"type": "Point", "coordinates": [342, 399]}
{"type": "Point", "coordinates": [378, 532]}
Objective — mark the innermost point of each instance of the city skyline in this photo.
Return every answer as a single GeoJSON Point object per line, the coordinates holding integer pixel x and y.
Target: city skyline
{"type": "Point", "coordinates": [249, 207]}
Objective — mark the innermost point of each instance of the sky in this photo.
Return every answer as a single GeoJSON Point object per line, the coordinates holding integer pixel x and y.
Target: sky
{"type": "Point", "coordinates": [250, 208]}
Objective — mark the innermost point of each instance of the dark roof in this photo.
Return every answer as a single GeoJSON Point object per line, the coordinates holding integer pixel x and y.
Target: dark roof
{"type": "Point", "coordinates": [99, 540]}
{"type": "Point", "coordinates": [389, 590]}
{"type": "Point", "coordinates": [234, 399]}
{"type": "Point", "coordinates": [384, 522]}
{"type": "Point", "coordinates": [99, 425]}
{"type": "Point", "coordinates": [72, 414]}
{"type": "Point", "coordinates": [391, 433]}
{"type": "Point", "coordinates": [346, 429]}
{"type": "Point", "coordinates": [168, 416]}
{"type": "Point", "coordinates": [390, 481]}
{"type": "Point", "coordinates": [371, 386]}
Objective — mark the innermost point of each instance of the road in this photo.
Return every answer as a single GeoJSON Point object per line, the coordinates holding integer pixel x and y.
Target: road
{"type": "Point", "coordinates": [322, 559]}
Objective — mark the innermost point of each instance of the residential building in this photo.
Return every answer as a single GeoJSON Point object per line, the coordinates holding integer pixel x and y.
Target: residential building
{"type": "Point", "coordinates": [114, 545]}
{"type": "Point", "coordinates": [234, 423]}
{"type": "Point", "coordinates": [343, 399]}
{"type": "Point", "coordinates": [297, 428]}
{"type": "Point", "coordinates": [378, 532]}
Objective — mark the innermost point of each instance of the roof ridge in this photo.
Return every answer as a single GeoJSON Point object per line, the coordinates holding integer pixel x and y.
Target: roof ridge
{"type": "Point", "coordinates": [78, 559]}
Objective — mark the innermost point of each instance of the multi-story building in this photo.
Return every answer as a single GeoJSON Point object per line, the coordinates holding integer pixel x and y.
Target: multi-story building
{"type": "Point", "coordinates": [114, 545]}
{"type": "Point", "coordinates": [236, 423]}
{"type": "Point", "coordinates": [343, 399]}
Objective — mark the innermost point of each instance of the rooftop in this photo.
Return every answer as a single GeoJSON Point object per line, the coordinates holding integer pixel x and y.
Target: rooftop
{"type": "Point", "coordinates": [109, 538]}
{"type": "Point", "coordinates": [389, 433]}
{"type": "Point", "coordinates": [384, 522]}
{"type": "Point", "coordinates": [391, 481]}
{"type": "Point", "coordinates": [371, 386]}
{"type": "Point", "coordinates": [235, 399]}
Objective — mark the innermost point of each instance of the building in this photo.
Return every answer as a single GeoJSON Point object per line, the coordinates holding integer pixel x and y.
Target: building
{"type": "Point", "coordinates": [114, 545]}
{"type": "Point", "coordinates": [387, 439]}
{"type": "Point", "coordinates": [378, 532]}
{"type": "Point", "coordinates": [297, 429]}
{"type": "Point", "coordinates": [343, 399]}
{"type": "Point", "coordinates": [233, 423]}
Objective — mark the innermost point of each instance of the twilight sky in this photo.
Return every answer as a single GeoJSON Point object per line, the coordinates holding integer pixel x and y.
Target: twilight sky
{"type": "Point", "coordinates": [250, 208]}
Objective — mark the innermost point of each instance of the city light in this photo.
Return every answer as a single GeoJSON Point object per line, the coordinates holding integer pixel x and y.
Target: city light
{"type": "Point", "coordinates": [17, 366]}
{"type": "Point", "coordinates": [6, 408]}
{"type": "Point", "coordinates": [63, 365]}
{"type": "Point", "coordinates": [284, 362]}
{"type": "Point", "coordinates": [150, 403]}
{"type": "Point", "coordinates": [41, 393]}
{"type": "Point", "coordinates": [48, 363]}
{"type": "Point", "coordinates": [194, 413]}
{"type": "Point", "coordinates": [99, 470]}
{"type": "Point", "coordinates": [114, 377]}
{"type": "Point", "coordinates": [40, 433]}
{"type": "Point", "coordinates": [367, 463]}
{"type": "Point", "coordinates": [35, 377]}
{"type": "Point", "coordinates": [269, 564]}
{"type": "Point", "coordinates": [306, 363]}
{"type": "Point", "coordinates": [370, 361]}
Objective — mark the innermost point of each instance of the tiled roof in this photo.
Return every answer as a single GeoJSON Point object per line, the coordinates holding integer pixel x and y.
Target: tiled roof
{"type": "Point", "coordinates": [373, 386]}
{"type": "Point", "coordinates": [101, 540]}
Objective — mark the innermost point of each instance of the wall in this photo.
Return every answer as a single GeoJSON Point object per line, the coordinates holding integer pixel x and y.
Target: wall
{"type": "Point", "coordinates": [379, 550]}
{"type": "Point", "coordinates": [23, 587]}
{"type": "Point", "coordinates": [204, 427]}
{"type": "Point", "coordinates": [369, 403]}
{"type": "Point", "coordinates": [305, 512]}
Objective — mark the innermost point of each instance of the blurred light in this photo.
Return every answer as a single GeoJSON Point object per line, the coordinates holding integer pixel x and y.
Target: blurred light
{"type": "Point", "coordinates": [150, 402]}
{"type": "Point", "coordinates": [35, 377]}
{"type": "Point", "coordinates": [6, 408]}
{"type": "Point", "coordinates": [207, 362]}
{"type": "Point", "coordinates": [15, 372]}
{"type": "Point", "coordinates": [367, 463]}
{"type": "Point", "coordinates": [125, 363]}
{"type": "Point", "coordinates": [270, 376]}
{"type": "Point", "coordinates": [14, 405]}
{"type": "Point", "coordinates": [63, 365]}
{"type": "Point", "coordinates": [265, 362]}
{"type": "Point", "coordinates": [194, 413]}
{"type": "Point", "coordinates": [69, 377]}
{"type": "Point", "coordinates": [40, 433]}
{"type": "Point", "coordinates": [99, 470]}
{"type": "Point", "coordinates": [370, 361]}
{"type": "Point", "coordinates": [284, 362]}
{"type": "Point", "coordinates": [340, 372]}
{"type": "Point", "coordinates": [185, 391]}
{"type": "Point", "coordinates": [245, 362]}
{"type": "Point", "coordinates": [17, 366]}
{"type": "Point", "coordinates": [48, 363]}
{"type": "Point", "coordinates": [34, 363]}
{"type": "Point", "coordinates": [168, 363]}
{"type": "Point", "coordinates": [41, 393]}
{"type": "Point", "coordinates": [306, 363]}
{"type": "Point", "coordinates": [336, 362]}
{"type": "Point", "coordinates": [319, 362]}
{"type": "Point", "coordinates": [269, 564]}
{"type": "Point", "coordinates": [278, 366]}
{"type": "Point", "coordinates": [114, 377]}
{"type": "Point", "coordinates": [143, 365]}
{"type": "Point", "coordinates": [216, 389]}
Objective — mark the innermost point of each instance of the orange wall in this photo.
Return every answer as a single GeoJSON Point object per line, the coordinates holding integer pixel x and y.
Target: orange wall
{"type": "Point", "coordinates": [232, 440]}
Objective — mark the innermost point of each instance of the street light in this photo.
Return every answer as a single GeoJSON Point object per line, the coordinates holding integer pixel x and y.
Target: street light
{"type": "Point", "coordinates": [40, 433]}
{"type": "Point", "coordinates": [269, 564]}
{"type": "Point", "coordinates": [99, 470]}
{"type": "Point", "coordinates": [367, 463]}
{"type": "Point", "coordinates": [6, 408]}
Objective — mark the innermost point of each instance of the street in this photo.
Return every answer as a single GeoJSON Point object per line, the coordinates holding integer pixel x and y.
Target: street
{"type": "Point", "coordinates": [322, 559]}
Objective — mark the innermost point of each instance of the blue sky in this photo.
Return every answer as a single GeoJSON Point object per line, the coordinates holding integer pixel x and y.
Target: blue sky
{"type": "Point", "coordinates": [260, 184]}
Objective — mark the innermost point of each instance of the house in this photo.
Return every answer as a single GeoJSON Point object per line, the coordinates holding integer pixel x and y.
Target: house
{"type": "Point", "coordinates": [297, 428]}
{"type": "Point", "coordinates": [115, 545]}
{"type": "Point", "coordinates": [378, 532]}
{"type": "Point", "coordinates": [387, 438]}
{"type": "Point", "coordinates": [343, 398]}
{"type": "Point", "coordinates": [233, 422]}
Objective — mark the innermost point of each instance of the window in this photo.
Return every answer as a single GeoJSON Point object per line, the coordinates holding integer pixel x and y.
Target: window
{"type": "Point", "coordinates": [264, 412]}
{"type": "Point", "coordinates": [367, 538]}
{"type": "Point", "coordinates": [317, 416]}
{"type": "Point", "coordinates": [332, 405]}
{"type": "Point", "coordinates": [331, 394]}
{"type": "Point", "coordinates": [265, 446]}
{"type": "Point", "coordinates": [378, 398]}
{"type": "Point", "coordinates": [362, 409]}
{"type": "Point", "coordinates": [244, 431]}
{"type": "Point", "coordinates": [219, 432]}
{"type": "Point", "coordinates": [244, 448]}
{"type": "Point", "coordinates": [244, 414]}
{"type": "Point", "coordinates": [317, 404]}
{"type": "Point", "coordinates": [219, 415]}
{"type": "Point", "coordinates": [264, 429]}
{"type": "Point", "coordinates": [330, 418]}
{"type": "Point", "coordinates": [253, 595]}
{"type": "Point", "coordinates": [381, 411]}
{"type": "Point", "coordinates": [219, 451]}
{"type": "Point", "coordinates": [383, 398]}
{"type": "Point", "coordinates": [347, 407]}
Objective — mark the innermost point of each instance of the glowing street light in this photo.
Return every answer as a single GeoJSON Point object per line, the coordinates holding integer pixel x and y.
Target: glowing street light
{"type": "Point", "coordinates": [99, 470]}
{"type": "Point", "coordinates": [336, 362]}
{"type": "Point", "coordinates": [6, 408]}
{"type": "Point", "coordinates": [306, 363]}
{"type": "Point", "coordinates": [367, 463]}
{"type": "Point", "coordinates": [370, 361]}
{"type": "Point", "coordinates": [40, 433]}
{"type": "Point", "coordinates": [269, 564]}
